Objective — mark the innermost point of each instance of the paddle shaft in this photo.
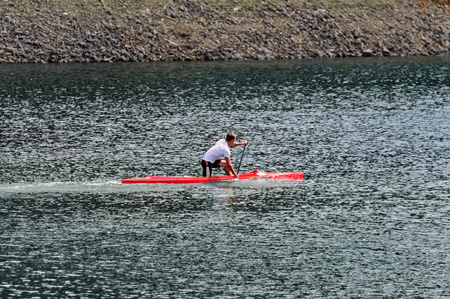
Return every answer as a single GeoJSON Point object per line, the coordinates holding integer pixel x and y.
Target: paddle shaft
{"type": "Point", "coordinates": [239, 167]}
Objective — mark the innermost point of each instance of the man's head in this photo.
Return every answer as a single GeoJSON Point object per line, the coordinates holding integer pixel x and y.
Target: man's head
{"type": "Point", "coordinates": [230, 139]}
{"type": "Point", "coordinates": [230, 136]}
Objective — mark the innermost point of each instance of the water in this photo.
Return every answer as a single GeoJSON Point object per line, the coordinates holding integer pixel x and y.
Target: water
{"type": "Point", "coordinates": [370, 219]}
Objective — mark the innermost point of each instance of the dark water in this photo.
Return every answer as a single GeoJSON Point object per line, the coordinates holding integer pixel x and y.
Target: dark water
{"type": "Point", "coordinates": [370, 219]}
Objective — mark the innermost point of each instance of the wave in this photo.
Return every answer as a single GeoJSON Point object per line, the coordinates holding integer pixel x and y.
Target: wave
{"type": "Point", "coordinates": [114, 186]}
{"type": "Point", "coordinates": [41, 187]}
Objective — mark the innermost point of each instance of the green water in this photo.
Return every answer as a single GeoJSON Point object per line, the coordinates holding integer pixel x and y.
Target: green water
{"type": "Point", "coordinates": [370, 219]}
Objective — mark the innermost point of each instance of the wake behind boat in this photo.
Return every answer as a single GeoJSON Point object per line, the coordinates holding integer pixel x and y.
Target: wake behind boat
{"type": "Point", "coordinates": [192, 180]}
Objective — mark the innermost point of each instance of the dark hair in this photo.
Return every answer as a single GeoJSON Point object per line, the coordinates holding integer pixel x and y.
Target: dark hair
{"type": "Point", "coordinates": [230, 136]}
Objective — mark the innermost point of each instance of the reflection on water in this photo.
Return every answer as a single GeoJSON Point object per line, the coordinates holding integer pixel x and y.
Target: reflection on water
{"type": "Point", "coordinates": [370, 219]}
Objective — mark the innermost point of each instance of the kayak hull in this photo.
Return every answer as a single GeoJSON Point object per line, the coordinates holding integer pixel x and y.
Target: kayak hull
{"type": "Point", "coordinates": [255, 174]}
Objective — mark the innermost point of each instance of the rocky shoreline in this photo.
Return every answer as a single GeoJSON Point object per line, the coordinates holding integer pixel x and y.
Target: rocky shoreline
{"type": "Point", "coordinates": [196, 30]}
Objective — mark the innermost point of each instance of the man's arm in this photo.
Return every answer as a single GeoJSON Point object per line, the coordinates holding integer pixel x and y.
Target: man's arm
{"type": "Point", "coordinates": [230, 167]}
{"type": "Point", "coordinates": [240, 143]}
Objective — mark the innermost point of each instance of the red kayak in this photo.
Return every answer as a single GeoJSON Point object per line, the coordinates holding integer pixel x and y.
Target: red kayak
{"type": "Point", "coordinates": [255, 174]}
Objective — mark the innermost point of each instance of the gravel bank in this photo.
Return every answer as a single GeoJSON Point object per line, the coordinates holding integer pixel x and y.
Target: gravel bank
{"type": "Point", "coordinates": [202, 30]}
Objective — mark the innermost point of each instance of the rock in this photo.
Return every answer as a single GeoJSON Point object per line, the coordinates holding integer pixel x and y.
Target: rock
{"type": "Point", "coordinates": [204, 32]}
{"type": "Point", "coordinates": [386, 52]}
{"type": "Point", "coordinates": [367, 53]}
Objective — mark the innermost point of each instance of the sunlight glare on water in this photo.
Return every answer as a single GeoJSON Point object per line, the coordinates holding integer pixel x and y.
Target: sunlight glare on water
{"type": "Point", "coordinates": [370, 219]}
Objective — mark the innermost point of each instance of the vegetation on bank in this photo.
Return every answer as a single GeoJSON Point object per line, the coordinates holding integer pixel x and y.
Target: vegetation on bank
{"type": "Point", "coordinates": [84, 8]}
{"type": "Point", "coordinates": [90, 6]}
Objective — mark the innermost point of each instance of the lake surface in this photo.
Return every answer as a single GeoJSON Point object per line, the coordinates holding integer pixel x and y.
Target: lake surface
{"type": "Point", "coordinates": [370, 219]}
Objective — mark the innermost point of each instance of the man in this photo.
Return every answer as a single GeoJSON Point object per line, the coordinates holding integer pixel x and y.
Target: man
{"type": "Point", "coordinates": [213, 157]}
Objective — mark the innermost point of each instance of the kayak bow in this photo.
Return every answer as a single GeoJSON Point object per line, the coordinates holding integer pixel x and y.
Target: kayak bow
{"type": "Point", "coordinates": [192, 180]}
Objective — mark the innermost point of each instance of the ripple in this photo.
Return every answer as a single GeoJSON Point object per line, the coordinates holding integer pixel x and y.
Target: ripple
{"type": "Point", "coordinates": [371, 217]}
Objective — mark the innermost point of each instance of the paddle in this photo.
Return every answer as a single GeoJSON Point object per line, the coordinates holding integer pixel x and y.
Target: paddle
{"type": "Point", "coordinates": [243, 151]}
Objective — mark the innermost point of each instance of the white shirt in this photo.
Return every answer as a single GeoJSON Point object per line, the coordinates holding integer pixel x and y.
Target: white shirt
{"type": "Point", "coordinates": [219, 150]}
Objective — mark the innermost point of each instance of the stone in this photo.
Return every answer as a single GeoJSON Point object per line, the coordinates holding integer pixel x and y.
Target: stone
{"type": "Point", "coordinates": [386, 52]}
{"type": "Point", "coordinates": [367, 53]}
{"type": "Point", "coordinates": [190, 31]}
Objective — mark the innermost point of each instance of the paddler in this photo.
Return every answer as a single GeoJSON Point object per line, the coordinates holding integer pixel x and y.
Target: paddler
{"type": "Point", "coordinates": [219, 156]}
